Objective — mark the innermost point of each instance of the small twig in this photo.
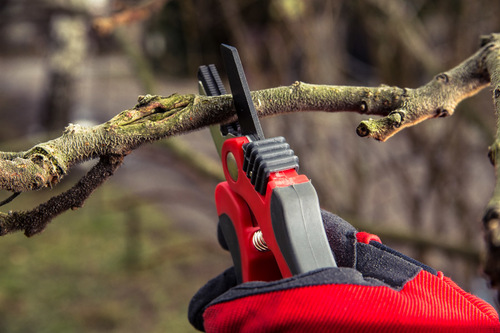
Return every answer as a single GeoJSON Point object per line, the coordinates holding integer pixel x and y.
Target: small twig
{"type": "Point", "coordinates": [9, 199]}
{"type": "Point", "coordinates": [35, 220]}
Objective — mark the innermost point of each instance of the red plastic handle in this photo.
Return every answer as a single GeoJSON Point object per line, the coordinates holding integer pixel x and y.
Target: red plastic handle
{"type": "Point", "coordinates": [250, 211]}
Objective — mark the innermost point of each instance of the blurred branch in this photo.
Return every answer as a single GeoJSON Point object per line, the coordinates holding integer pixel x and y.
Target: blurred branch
{"type": "Point", "coordinates": [142, 70]}
{"type": "Point", "coordinates": [419, 240]}
{"type": "Point", "coordinates": [199, 162]}
{"type": "Point", "coordinates": [107, 24]}
{"type": "Point", "coordinates": [409, 30]}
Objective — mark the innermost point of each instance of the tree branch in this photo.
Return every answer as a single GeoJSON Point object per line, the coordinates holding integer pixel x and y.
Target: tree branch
{"type": "Point", "coordinates": [35, 220]}
{"type": "Point", "coordinates": [157, 117]}
{"type": "Point", "coordinates": [438, 98]}
{"type": "Point", "coordinates": [491, 217]}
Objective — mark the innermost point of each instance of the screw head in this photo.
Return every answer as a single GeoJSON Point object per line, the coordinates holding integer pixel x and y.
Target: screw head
{"type": "Point", "coordinates": [232, 166]}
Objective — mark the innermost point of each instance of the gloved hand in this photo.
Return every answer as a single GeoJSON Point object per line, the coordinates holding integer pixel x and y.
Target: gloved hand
{"type": "Point", "coordinates": [374, 289]}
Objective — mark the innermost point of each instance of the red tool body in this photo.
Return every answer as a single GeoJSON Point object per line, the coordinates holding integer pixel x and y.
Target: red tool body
{"type": "Point", "coordinates": [271, 222]}
{"type": "Point", "coordinates": [250, 212]}
{"type": "Point", "coordinates": [269, 215]}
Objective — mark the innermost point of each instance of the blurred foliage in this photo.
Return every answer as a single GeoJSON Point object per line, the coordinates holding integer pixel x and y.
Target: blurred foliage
{"type": "Point", "coordinates": [90, 274]}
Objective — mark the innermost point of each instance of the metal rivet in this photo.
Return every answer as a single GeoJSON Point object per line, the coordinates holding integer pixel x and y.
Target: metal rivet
{"type": "Point", "coordinates": [232, 166]}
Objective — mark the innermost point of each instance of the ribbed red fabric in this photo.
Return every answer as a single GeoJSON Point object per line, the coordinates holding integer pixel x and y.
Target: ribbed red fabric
{"type": "Point", "coordinates": [364, 237]}
{"type": "Point", "coordinates": [428, 303]}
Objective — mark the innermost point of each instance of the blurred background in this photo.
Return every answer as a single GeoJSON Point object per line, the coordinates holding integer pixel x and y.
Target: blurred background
{"type": "Point", "coordinates": [132, 258]}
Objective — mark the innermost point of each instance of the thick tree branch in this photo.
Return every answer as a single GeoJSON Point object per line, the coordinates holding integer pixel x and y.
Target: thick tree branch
{"type": "Point", "coordinates": [156, 117]}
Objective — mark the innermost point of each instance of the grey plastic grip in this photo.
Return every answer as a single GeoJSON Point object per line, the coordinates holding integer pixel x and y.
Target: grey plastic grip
{"type": "Point", "coordinates": [298, 228]}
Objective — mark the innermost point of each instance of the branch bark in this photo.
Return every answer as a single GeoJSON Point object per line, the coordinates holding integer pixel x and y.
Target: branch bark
{"type": "Point", "coordinates": [157, 117]}
{"type": "Point", "coordinates": [491, 217]}
{"type": "Point", "coordinates": [35, 220]}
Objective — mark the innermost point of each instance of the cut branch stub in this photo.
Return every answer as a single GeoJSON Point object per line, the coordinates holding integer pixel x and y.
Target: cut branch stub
{"type": "Point", "coordinates": [438, 98]}
{"type": "Point", "coordinates": [381, 129]}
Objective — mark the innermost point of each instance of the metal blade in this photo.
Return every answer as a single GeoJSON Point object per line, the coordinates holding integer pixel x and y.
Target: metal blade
{"type": "Point", "coordinates": [245, 109]}
{"type": "Point", "coordinates": [210, 84]}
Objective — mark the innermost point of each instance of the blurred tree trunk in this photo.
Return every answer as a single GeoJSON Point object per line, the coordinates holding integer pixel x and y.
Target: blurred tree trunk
{"type": "Point", "coordinates": [69, 45]}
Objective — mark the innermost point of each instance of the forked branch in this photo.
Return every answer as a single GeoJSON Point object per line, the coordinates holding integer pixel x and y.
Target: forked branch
{"type": "Point", "coordinates": [157, 117]}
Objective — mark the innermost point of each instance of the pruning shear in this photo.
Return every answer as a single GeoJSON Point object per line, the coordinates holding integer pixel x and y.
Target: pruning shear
{"type": "Point", "coordinates": [269, 215]}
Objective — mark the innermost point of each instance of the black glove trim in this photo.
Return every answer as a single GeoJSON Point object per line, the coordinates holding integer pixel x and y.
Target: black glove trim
{"type": "Point", "coordinates": [386, 266]}
{"type": "Point", "coordinates": [342, 275]}
{"type": "Point", "coordinates": [214, 288]}
{"type": "Point", "coordinates": [404, 257]}
{"type": "Point", "coordinates": [342, 239]}
{"type": "Point", "coordinates": [376, 265]}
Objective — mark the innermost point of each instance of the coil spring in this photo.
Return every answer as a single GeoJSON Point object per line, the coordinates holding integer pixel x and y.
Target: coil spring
{"type": "Point", "coordinates": [258, 241]}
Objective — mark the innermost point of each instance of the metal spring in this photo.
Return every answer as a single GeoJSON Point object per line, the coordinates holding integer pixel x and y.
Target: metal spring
{"type": "Point", "coordinates": [258, 241]}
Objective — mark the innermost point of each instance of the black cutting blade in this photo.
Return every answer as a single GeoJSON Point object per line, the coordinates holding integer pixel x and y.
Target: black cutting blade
{"type": "Point", "coordinates": [245, 109]}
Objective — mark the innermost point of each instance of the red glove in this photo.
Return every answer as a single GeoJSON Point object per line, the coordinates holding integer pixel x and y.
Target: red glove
{"type": "Point", "coordinates": [374, 289]}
